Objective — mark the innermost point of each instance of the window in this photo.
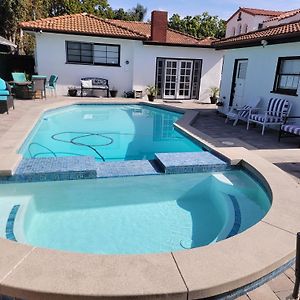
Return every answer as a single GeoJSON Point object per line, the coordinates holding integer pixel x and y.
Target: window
{"type": "Point", "coordinates": [233, 31]}
{"type": "Point", "coordinates": [287, 79]}
{"type": "Point", "coordinates": [239, 29]}
{"type": "Point", "coordinates": [260, 26]}
{"type": "Point", "coordinates": [245, 28]}
{"type": "Point", "coordinates": [89, 53]}
{"type": "Point", "coordinates": [239, 16]}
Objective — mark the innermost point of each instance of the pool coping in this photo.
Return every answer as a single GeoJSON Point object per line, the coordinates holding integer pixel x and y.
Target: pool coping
{"type": "Point", "coordinates": [32, 272]}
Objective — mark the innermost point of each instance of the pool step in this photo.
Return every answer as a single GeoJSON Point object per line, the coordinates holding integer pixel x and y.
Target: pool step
{"type": "Point", "coordinates": [190, 162]}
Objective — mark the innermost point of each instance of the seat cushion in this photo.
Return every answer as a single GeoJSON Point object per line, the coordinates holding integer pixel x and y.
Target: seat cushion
{"type": "Point", "coordinates": [4, 92]}
{"type": "Point", "coordinates": [87, 84]}
{"type": "Point", "coordinates": [3, 98]}
{"type": "Point", "coordinates": [291, 128]}
{"type": "Point", "coordinates": [262, 118]}
{"type": "Point", "coordinates": [2, 84]}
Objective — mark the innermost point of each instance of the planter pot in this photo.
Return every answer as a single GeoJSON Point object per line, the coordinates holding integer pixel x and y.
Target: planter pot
{"type": "Point", "coordinates": [113, 93]}
{"type": "Point", "coordinates": [213, 100]}
{"type": "Point", "coordinates": [151, 98]}
{"type": "Point", "coordinates": [72, 93]}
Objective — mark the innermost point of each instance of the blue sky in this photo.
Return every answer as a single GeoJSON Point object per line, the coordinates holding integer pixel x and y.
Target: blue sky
{"type": "Point", "coordinates": [222, 8]}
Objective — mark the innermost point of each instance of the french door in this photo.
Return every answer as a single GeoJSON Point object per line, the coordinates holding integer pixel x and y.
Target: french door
{"type": "Point", "coordinates": [177, 79]}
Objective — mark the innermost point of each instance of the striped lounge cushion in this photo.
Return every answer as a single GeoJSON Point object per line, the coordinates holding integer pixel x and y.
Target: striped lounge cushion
{"type": "Point", "coordinates": [291, 128]}
{"type": "Point", "coordinates": [262, 118]}
{"type": "Point", "coordinates": [278, 107]}
{"type": "Point", "coordinates": [245, 111]}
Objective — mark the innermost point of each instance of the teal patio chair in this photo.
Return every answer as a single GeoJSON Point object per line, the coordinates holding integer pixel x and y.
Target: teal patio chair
{"type": "Point", "coordinates": [6, 98]}
{"type": "Point", "coordinates": [52, 84]}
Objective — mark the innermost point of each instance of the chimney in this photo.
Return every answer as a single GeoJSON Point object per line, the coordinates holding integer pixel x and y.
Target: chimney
{"type": "Point", "coordinates": [159, 26]}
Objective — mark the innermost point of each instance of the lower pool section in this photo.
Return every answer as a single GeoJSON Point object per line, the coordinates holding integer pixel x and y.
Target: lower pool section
{"type": "Point", "coordinates": [130, 215]}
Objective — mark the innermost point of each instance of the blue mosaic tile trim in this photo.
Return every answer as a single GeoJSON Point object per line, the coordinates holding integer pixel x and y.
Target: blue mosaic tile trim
{"type": "Point", "coordinates": [53, 169]}
{"type": "Point", "coordinates": [253, 285]}
{"type": "Point", "coordinates": [9, 231]}
{"type": "Point", "coordinates": [125, 168]}
{"type": "Point", "coordinates": [190, 162]}
{"type": "Point", "coordinates": [237, 219]}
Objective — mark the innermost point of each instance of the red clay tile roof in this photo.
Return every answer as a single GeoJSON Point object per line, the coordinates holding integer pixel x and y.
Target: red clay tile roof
{"type": "Point", "coordinates": [91, 25]}
{"type": "Point", "coordinates": [279, 32]}
{"type": "Point", "coordinates": [80, 23]}
{"type": "Point", "coordinates": [257, 12]}
{"type": "Point", "coordinates": [173, 36]}
{"type": "Point", "coordinates": [285, 15]}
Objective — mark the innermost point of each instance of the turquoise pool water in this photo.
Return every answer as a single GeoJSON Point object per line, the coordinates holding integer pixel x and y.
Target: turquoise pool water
{"type": "Point", "coordinates": [107, 132]}
{"type": "Point", "coordinates": [130, 215]}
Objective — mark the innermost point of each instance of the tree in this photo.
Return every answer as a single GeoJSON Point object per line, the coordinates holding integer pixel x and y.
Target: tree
{"type": "Point", "coordinates": [200, 26]}
{"type": "Point", "coordinates": [137, 13]}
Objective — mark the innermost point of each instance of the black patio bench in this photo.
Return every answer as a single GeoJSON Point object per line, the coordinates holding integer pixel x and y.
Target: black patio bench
{"type": "Point", "coordinates": [93, 83]}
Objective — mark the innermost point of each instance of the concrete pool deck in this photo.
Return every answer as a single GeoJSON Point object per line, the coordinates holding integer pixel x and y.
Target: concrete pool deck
{"type": "Point", "coordinates": [196, 273]}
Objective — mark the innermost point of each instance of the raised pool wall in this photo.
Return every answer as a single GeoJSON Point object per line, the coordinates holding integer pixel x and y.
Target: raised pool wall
{"type": "Point", "coordinates": [228, 266]}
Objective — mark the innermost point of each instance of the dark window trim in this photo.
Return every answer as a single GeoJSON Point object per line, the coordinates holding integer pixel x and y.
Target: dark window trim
{"type": "Point", "coordinates": [93, 63]}
{"type": "Point", "coordinates": [276, 89]}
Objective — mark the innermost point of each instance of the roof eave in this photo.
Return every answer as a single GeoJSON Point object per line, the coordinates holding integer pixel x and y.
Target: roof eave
{"type": "Point", "coordinates": [272, 40]}
{"type": "Point", "coordinates": [152, 43]}
{"type": "Point", "coordinates": [37, 30]}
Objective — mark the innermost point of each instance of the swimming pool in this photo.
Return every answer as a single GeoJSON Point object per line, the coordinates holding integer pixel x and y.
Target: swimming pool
{"type": "Point", "coordinates": [147, 214]}
{"type": "Point", "coordinates": [107, 132]}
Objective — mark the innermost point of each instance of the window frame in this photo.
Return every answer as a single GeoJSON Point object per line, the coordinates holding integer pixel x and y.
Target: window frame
{"type": "Point", "coordinates": [276, 88]}
{"type": "Point", "coordinates": [93, 54]}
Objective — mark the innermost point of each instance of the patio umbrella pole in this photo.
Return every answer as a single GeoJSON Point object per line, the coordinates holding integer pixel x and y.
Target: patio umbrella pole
{"type": "Point", "coordinates": [297, 268]}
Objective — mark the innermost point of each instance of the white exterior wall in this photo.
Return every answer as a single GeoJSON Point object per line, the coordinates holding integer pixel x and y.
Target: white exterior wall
{"type": "Point", "coordinates": [140, 72]}
{"type": "Point", "coordinates": [261, 72]}
{"type": "Point", "coordinates": [51, 59]}
{"type": "Point", "coordinates": [247, 19]}
{"type": "Point", "coordinates": [145, 65]}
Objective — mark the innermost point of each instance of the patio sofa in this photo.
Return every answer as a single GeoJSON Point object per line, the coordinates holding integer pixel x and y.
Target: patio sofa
{"type": "Point", "coordinates": [92, 83]}
{"type": "Point", "coordinates": [6, 98]}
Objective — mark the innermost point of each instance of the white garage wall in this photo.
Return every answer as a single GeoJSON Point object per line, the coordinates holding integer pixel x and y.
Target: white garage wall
{"type": "Point", "coordinates": [262, 63]}
{"type": "Point", "coordinates": [140, 72]}
{"type": "Point", "coordinates": [145, 65]}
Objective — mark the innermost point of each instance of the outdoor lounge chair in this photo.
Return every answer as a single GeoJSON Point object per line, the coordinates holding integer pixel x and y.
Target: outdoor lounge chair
{"type": "Point", "coordinates": [240, 113]}
{"type": "Point", "coordinates": [289, 128]}
{"type": "Point", "coordinates": [6, 98]}
{"type": "Point", "coordinates": [276, 113]}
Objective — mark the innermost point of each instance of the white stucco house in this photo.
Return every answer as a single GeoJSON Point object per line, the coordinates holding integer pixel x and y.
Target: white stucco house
{"type": "Point", "coordinates": [263, 63]}
{"type": "Point", "coordinates": [131, 55]}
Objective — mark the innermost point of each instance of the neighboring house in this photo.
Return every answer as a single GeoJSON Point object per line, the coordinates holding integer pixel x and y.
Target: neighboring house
{"type": "Point", "coordinates": [6, 46]}
{"type": "Point", "coordinates": [263, 63]}
{"type": "Point", "coordinates": [246, 19]}
{"type": "Point", "coordinates": [131, 55]}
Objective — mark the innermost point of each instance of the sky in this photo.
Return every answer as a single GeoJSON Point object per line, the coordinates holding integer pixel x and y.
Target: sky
{"type": "Point", "coordinates": [222, 8]}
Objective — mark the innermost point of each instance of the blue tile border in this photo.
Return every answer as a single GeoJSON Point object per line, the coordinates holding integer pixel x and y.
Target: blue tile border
{"type": "Point", "coordinates": [253, 285]}
{"type": "Point", "coordinates": [237, 217]}
{"type": "Point", "coordinates": [190, 162]}
{"type": "Point", "coordinates": [9, 231]}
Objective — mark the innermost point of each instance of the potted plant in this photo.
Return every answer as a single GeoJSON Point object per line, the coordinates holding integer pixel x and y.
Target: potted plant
{"type": "Point", "coordinates": [113, 92]}
{"type": "Point", "coordinates": [214, 93]}
{"type": "Point", "coordinates": [72, 91]}
{"type": "Point", "coordinates": [151, 92]}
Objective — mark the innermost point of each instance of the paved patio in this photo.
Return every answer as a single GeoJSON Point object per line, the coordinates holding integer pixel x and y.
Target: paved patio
{"type": "Point", "coordinates": [285, 155]}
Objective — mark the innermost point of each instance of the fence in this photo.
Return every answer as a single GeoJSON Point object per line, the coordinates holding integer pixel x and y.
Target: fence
{"type": "Point", "coordinates": [15, 63]}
